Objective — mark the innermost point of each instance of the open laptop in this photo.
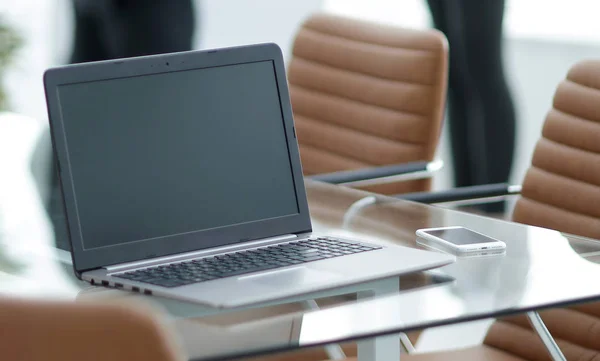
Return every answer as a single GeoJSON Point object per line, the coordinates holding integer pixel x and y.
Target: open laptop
{"type": "Point", "coordinates": [181, 177]}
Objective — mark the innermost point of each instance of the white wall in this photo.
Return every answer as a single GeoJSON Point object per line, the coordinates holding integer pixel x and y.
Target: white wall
{"type": "Point", "coordinates": [235, 22]}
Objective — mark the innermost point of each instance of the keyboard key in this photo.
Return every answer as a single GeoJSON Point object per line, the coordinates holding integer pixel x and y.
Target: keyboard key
{"type": "Point", "coordinates": [316, 257]}
{"type": "Point", "coordinates": [169, 283]}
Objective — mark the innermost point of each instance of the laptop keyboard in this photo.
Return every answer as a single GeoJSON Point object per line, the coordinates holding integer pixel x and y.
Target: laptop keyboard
{"type": "Point", "coordinates": [238, 263]}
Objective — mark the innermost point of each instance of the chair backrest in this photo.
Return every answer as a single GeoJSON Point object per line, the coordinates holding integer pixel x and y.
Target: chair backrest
{"type": "Point", "coordinates": [366, 94]}
{"type": "Point", "coordinates": [67, 331]}
{"type": "Point", "coordinates": [561, 189]}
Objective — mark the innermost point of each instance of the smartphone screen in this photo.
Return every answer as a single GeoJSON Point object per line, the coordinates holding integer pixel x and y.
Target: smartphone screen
{"type": "Point", "coordinates": [461, 236]}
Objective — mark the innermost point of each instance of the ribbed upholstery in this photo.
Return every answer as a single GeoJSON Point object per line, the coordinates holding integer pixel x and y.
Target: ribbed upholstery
{"type": "Point", "coordinates": [561, 190]}
{"type": "Point", "coordinates": [365, 94]}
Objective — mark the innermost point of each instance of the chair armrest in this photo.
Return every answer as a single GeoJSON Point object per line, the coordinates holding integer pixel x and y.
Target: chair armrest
{"type": "Point", "coordinates": [379, 175]}
{"type": "Point", "coordinates": [463, 193]}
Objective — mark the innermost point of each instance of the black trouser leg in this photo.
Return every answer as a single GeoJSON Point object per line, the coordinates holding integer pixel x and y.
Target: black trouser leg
{"type": "Point", "coordinates": [138, 27]}
{"type": "Point", "coordinates": [481, 111]}
{"type": "Point", "coordinates": [110, 29]}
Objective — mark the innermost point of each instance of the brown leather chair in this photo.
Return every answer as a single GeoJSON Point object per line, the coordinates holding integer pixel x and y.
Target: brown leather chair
{"type": "Point", "coordinates": [66, 331]}
{"type": "Point", "coordinates": [366, 94]}
{"type": "Point", "coordinates": [561, 191]}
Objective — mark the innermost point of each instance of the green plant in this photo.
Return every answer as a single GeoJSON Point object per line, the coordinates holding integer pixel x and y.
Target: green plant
{"type": "Point", "coordinates": [9, 44]}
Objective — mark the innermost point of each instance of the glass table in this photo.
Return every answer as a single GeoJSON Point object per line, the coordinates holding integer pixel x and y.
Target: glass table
{"type": "Point", "coordinates": [541, 269]}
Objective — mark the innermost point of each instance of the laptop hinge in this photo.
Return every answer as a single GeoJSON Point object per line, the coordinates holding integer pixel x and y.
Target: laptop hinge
{"type": "Point", "coordinates": [202, 253]}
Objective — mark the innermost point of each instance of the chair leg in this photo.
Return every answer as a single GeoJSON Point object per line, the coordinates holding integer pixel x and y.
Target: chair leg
{"type": "Point", "coordinates": [406, 343]}
{"type": "Point", "coordinates": [540, 328]}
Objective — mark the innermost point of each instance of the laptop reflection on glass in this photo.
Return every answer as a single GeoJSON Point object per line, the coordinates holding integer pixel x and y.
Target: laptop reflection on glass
{"type": "Point", "coordinates": [181, 177]}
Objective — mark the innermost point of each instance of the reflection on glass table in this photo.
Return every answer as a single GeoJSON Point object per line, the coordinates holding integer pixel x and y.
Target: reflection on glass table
{"type": "Point", "coordinates": [541, 268]}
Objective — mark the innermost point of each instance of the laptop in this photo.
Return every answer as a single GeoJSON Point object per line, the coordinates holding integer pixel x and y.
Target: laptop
{"type": "Point", "coordinates": [181, 178]}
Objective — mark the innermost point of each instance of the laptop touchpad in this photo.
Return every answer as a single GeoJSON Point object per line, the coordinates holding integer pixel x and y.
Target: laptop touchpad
{"type": "Point", "coordinates": [292, 277]}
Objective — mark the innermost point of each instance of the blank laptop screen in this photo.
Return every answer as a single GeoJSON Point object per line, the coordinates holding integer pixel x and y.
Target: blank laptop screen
{"type": "Point", "coordinates": [165, 154]}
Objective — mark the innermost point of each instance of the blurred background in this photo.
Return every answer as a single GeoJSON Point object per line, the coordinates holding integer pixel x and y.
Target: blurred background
{"type": "Point", "coordinates": [542, 39]}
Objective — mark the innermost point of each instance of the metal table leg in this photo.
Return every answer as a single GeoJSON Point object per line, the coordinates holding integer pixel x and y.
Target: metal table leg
{"type": "Point", "coordinates": [382, 348]}
{"type": "Point", "coordinates": [352, 211]}
{"type": "Point", "coordinates": [540, 328]}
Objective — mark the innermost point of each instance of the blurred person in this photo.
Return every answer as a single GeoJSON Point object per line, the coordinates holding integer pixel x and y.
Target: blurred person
{"type": "Point", "coordinates": [480, 110]}
{"type": "Point", "coordinates": [109, 29]}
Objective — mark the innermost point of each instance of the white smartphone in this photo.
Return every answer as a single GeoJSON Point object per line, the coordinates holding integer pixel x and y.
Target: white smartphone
{"type": "Point", "coordinates": [460, 240]}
